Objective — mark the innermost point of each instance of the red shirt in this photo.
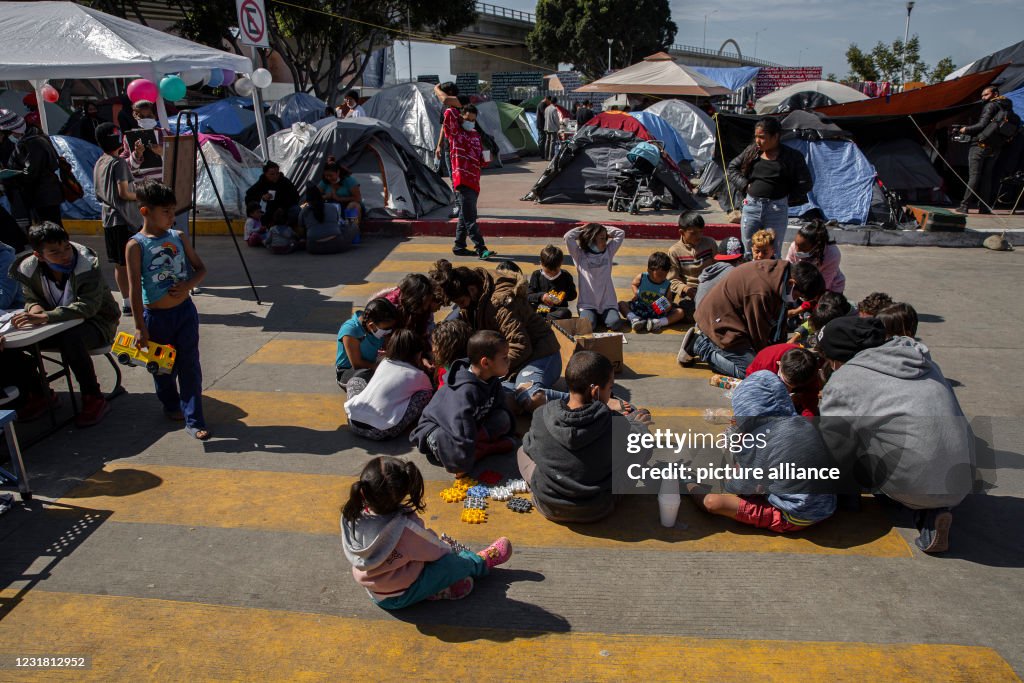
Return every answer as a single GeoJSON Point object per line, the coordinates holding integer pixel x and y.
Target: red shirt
{"type": "Point", "coordinates": [805, 400]}
{"type": "Point", "coordinates": [466, 150]}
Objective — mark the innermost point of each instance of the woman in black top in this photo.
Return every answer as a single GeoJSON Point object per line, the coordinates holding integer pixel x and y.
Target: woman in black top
{"type": "Point", "coordinates": [773, 177]}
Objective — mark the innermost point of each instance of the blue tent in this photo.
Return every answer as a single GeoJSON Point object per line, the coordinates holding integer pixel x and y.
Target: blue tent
{"type": "Point", "coordinates": [844, 180]}
{"type": "Point", "coordinates": [659, 128]}
{"type": "Point", "coordinates": [1017, 97]}
{"type": "Point", "coordinates": [82, 156]}
{"type": "Point", "coordinates": [299, 106]}
{"type": "Point", "coordinates": [229, 116]}
{"type": "Point", "coordinates": [732, 78]}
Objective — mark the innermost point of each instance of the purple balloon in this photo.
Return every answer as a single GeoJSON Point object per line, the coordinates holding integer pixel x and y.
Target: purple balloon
{"type": "Point", "coordinates": [229, 77]}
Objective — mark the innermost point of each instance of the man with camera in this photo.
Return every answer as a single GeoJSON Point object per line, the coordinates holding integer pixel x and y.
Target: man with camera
{"type": "Point", "coordinates": [997, 125]}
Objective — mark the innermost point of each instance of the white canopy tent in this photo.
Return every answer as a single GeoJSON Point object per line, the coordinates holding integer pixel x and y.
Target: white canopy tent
{"type": "Point", "coordinates": [658, 74]}
{"type": "Point", "coordinates": [57, 40]}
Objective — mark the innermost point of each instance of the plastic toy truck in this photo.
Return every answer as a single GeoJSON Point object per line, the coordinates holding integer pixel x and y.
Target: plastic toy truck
{"type": "Point", "coordinates": [158, 359]}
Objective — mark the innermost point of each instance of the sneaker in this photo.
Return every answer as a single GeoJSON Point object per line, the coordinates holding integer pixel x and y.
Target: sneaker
{"type": "Point", "coordinates": [652, 325]}
{"type": "Point", "coordinates": [461, 251]}
{"type": "Point", "coordinates": [934, 526]}
{"type": "Point", "coordinates": [456, 591]}
{"type": "Point", "coordinates": [961, 209]}
{"type": "Point", "coordinates": [126, 309]}
{"type": "Point", "coordinates": [37, 405]}
{"type": "Point", "coordinates": [639, 326]}
{"type": "Point", "coordinates": [685, 356]}
{"type": "Point", "coordinates": [94, 409]}
{"type": "Point", "coordinates": [485, 253]}
{"type": "Point", "coordinates": [497, 553]}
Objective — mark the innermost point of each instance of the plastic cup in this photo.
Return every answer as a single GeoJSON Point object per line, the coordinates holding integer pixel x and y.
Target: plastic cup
{"type": "Point", "coordinates": [668, 508]}
{"type": "Point", "coordinates": [487, 156]}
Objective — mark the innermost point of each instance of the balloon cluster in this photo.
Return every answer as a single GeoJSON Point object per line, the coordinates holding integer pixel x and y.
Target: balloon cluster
{"type": "Point", "coordinates": [173, 86]}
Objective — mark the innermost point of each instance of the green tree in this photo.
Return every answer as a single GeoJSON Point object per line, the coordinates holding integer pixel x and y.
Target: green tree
{"type": "Point", "coordinates": [885, 62]}
{"type": "Point", "coordinates": [945, 67]}
{"type": "Point", "coordinates": [577, 32]}
{"type": "Point", "coordinates": [327, 44]}
{"type": "Point", "coordinates": [862, 66]}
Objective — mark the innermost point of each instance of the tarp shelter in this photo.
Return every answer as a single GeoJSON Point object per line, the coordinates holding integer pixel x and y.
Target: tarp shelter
{"type": "Point", "coordinates": [1017, 97]}
{"type": "Point", "coordinates": [1013, 77]}
{"type": "Point", "coordinates": [515, 123]}
{"type": "Point", "coordinates": [393, 180]}
{"type": "Point", "coordinates": [413, 109]}
{"type": "Point", "coordinates": [694, 126]}
{"type": "Point", "coordinates": [809, 94]}
{"type": "Point", "coordinates": [660, 129]}
{"type": "Point", "coordinates": [82, 156]}
{"type": "Point", "coordinates": [286, 145]}
{"type": "Point", "coordinates": [733, 78]}
{"type": "Point", "coordinates": [905, 168]}
{"type": "Point", "coordinates": [844, 180]}
{"type": "Point", "coordinates": [585, 170]}
{"type": "Point", "coordinates": [298, 106]}
{"type": "Point", "coordinates": [59, 40]}
{"type": "Point", "coordinates": [658, 74]}
{"type": "Point", "coordinates": [229, 116]}
{"type": "Point", "coordinates": [232, 177]}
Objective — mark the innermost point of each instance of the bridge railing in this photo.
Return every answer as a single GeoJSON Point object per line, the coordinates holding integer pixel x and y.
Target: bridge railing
{"type": "Point", "coordinates": [505, 12]}
{"type": "Point", "coordinates": [714, 53]}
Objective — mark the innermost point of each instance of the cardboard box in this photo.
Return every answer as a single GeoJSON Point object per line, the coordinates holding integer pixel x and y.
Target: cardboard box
{"type": "Point", "coordinates": [575, 334]}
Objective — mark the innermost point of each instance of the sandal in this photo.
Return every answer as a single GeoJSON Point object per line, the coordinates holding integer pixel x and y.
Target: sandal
{"type": "Point", "coordinates": [200, 433]}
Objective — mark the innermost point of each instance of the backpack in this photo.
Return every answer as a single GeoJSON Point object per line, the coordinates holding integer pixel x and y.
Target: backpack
{"type": "Point", "coordinates": [1003, 127]}
{"type": "Point", "coordinates": [68, 183]}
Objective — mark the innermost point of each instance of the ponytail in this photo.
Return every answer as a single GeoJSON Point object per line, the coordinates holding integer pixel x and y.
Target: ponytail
{"type": "Point", "coordinates": [353, 509]}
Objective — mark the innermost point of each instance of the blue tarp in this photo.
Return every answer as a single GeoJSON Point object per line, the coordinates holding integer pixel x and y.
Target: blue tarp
{"type": "Point", "coordinates": [1017, 97]}
{"type": "Point", "coordinates": [659, 128]}
{"type": "Point", "coordinates": [299, 106]}
{"type": "Point", "coordinates": [732, 78]}
{"type": "Point", "coordinates": [844, 180]}
{"type": "Point", "coordinates": [229, 116]}
{"type": "Point", "coordinates": [82, 156]}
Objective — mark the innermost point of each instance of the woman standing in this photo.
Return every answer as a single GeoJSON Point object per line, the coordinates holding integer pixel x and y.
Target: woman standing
{"type": "Point", "coordinates": [773, 177]}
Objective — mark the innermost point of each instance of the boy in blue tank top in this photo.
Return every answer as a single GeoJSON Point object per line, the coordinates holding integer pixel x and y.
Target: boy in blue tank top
{"type": "Point", "coordinates": [162, 271]}
{"type": "Point", "coordinates": [651, 307]}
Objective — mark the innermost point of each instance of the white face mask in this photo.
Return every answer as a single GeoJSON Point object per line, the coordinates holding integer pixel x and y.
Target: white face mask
{"type": "Point", "coordinates": [804, 255]}
{"type": "Point", "coordinates": [147, 123]}
{"type": "Point", "coordinates": [468, 125]}
{"type": "Point", "coordinates": [594, 250]}
{"type": "Point", "coordinates": [381, 334]}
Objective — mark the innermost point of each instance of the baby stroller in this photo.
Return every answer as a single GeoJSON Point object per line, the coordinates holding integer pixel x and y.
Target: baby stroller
{"type": "Point", "coordinates": [636, 187]}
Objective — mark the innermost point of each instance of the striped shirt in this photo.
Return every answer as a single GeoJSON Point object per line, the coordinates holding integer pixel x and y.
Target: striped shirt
{"type": "Point", "coordinates": [689, 262]}
{"type": "Point", "coordinates": [466, 150]}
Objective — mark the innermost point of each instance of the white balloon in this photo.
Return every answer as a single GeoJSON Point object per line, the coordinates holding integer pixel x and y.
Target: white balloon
{"type": "Point", "coordinates": [261, 78]}
{"type": "Point", "coordinates": [195, 76]}
{"type": "Point", "coordinates": [243, 86]}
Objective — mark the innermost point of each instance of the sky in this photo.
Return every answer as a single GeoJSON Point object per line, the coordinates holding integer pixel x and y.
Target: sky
{"type": "Point", "coordinates": [812, 32]}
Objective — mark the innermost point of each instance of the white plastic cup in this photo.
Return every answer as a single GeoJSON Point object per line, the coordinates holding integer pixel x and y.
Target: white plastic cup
{"type": "Point", "coordinates": [487, 156]}
{"type": "Point", "coordinates": [668, 508]}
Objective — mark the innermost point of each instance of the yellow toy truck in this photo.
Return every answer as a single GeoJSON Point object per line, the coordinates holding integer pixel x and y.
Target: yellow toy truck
{"type": "Point", "coordinates": [158, 359]}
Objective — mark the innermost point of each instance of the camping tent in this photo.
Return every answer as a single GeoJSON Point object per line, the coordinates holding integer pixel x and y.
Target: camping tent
{"type": "Point", "coordinates": [694, 126]}
{"type": "Point", "coordinates": [233, 176]}
{"type": "Point", "coordinates": [489, 121]}
{"type": "Point", "coordinates": [82, 156]}
{"type": "Point", "coordinates": [905, 168]}
{"type": "Point", "coordinates": [658, 74]}
{"type": "Point", "coordinates": [229, 116]}
{"type": "Point", "coordinates": [586, 167]}
{"type": "Point", "coordinates": [393, 180]}
{"type": "Point", "coordinates": [286, 145]}
{"type": "Point", "coordinates": [516, 125]}
{"type": "Point", "coordinates": [660, 129]}
{"type": "Point", "coordinates": [299, 106]}
{"type": "Point", "coordinates": [844, 179]}
{"type": "Point", "coordinates": [807, 95]}
{"type": "Point", "coordinates": [58, 40]}
{"type": "Point", "coordinates": [412, 109]}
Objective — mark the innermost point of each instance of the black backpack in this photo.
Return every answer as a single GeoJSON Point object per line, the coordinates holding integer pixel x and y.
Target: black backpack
{"type": "Point", "coordinates": [1003, 127]}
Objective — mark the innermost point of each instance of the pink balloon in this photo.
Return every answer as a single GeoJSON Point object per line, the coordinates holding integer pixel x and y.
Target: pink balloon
{"type": "Point", "coordinates": [50, 93]}
{"type": "Point", "coordinates": [229, 77]}
{"type": "Point", "coordinates": [141, 89]}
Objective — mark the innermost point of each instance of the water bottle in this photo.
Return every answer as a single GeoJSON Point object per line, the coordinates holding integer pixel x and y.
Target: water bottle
{"type": "Point", "coordinates": [352, 218]}
{"type": "Point", "coordinates": [718, 416]}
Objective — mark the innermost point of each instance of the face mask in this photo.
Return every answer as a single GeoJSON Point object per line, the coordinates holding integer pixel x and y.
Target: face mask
{"type": "Point", "coordinates": [594, 250]}
{"type": "Point", "coordinates": [804, 255]}
{"type": "Point", "coordinates": [65, 270]}
{"type": "Point", "coordinates": [380, 334]}
{"type": "Point", "coordinates": [468, 125]}
{"type": "Point", "coordinates": [14, 138]}
{"type": "Point", "coordinates": [147, 123]}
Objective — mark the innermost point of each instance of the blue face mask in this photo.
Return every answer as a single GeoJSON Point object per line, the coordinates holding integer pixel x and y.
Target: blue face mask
{"type": "Point", "coordinates": [65, 270]}
{"type": "Point", "coordinates": [594, 250]}
{"type": "Point", "coordinates": [468, 125]}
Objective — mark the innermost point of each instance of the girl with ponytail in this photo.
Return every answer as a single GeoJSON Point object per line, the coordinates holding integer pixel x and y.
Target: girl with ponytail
{"type": "Point", "coordinates": [394, 556]}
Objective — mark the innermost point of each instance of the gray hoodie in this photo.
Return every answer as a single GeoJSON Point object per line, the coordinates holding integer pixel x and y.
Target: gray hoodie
{"type": "Point", "coordinates": [890, 410]}
{"type": "Point", "coordinates": [388, 552]}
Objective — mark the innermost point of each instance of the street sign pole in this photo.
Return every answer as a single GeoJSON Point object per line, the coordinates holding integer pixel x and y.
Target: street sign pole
{"type": "Point", "coordinates": [252, 31]}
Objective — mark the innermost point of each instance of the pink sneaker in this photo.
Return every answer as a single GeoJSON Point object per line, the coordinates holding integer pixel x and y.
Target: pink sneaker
{"type": "Point", "coordinates": [456, 591]}
{"type": "Point", "coordinates": [497, 553]}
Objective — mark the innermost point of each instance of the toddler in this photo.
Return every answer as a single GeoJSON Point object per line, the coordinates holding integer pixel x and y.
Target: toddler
{"type": "Point", "coordinates": [255, 233]}
{"type": "Point", "coordinates": [280, 238]}
{"type": "Point", "coordinates": [762, 245]}
{"type": "Point", "coordinates": [650, 309]}
{"type": "Point", "coordinates": [550, 288]}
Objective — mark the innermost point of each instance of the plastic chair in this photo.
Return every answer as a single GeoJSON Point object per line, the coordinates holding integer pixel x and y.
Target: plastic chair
{"type": "Point", "coordinates": [19, 476]}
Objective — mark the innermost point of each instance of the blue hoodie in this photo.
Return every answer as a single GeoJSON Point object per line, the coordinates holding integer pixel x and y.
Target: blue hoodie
{"type": "Point", "coordinates": [456, 411]}
{"type": "Point", "coordinates": [10, 289]}
{"type": "Point", "coordinates": [787, 437]}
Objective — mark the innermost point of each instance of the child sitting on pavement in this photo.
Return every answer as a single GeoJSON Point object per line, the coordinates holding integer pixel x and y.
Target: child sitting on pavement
{"type": "Point", "coordinates": [813, 243]}
{"type": "Point", "coordinates": [690, 256]}
{"type": "Point", "coordinates": [550, 288]}
{"type": "Point", "coordinates": [566, 456]}
{"type": "Point", "coordinates": [450, 341]}
{"type": "Point", "coordinates": [360, 339]}
{"type": "Point", "coordinates": [255, 233]}
{"type": "Point", "coordinates": [650, 309]}
{"type": "Point", "coordinates": [829, 307]}
{"type": "Point", "coordinates": [397, 393]}
{"type": "Point", "coordinates": [798, 370]}
{"type": "Point", "coordinates": [593, 249]}
{"type": "Point", "coordinates": [762, 245]}
{"type": "Point", "coordinates": [468, 419]}
{"type": "Point", "coordinates": [873, 304]}
{"type": "Point", "coordinates": [394, 556]}
{"type": "Point", "coordinates": [900, 320]}
{"type": "Point", "coordinates": [280, 238]}
{"type": "Point", "coordinates": [765, 412]}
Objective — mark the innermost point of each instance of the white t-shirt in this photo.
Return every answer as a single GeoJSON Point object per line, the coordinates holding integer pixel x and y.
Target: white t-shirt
{"type": "Point", "coordinates": [355, 112]}
{"type": "Point", "coordinates": [383, 402]}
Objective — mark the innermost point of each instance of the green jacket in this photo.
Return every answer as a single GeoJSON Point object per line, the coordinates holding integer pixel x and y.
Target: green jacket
{"type": "Point", "coordinates": [93, 300]}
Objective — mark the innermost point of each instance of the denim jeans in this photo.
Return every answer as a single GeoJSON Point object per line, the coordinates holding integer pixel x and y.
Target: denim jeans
{"type": "Point", "coordinates": [541, 373]}
{"type": "Point", "coordinates": [760, 214]}
{"type": "Point", "coordinates": [611, 318]}
{"type": "Point", "coordinates": [466, 199]}
{"type": "Point", "coordinates": [980, 163]}
{"type": "Point", "coordinates": [182, 389]}
{"type": "Point", "coordinates": [436, 576]}
{"type": "Point", "coordinates": [731, 362]}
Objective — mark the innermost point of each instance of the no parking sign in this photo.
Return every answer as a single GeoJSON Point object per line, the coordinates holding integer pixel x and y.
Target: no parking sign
{"type": "Point", "coordinates": [252, 23]}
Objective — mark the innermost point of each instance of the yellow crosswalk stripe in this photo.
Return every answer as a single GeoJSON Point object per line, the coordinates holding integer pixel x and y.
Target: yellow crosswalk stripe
{"type": "Point", "coordinates": [321, 412]}
{"type": "Point", "coordinates": [522, 253]}
{"type": "Point", "coordinates": [267, 501]}
{"type": "Point", "coordinates": [146, 639]}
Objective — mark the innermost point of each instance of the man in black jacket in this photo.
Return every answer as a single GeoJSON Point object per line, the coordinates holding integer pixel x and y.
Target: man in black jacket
{"type": "Point", "coordinates": [984, 150]}
{"type": "Point", "coordinates": [34, 155]}
{"type": "Point", "coordinates": [275, 191]}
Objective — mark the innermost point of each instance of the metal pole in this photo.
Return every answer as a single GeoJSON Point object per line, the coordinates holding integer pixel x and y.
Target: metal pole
{"type": "Point", "coordinates": [408, 43]}
{"type": "Point", "coordinates": [41, 103]}
{"type": "Point", "coordinates": [906, 39]}
{"type": "Point", "coordinates": [610, 40]}
{"type": "Point", "coordinates": [704, 44]}
{"type": "Point", "coordinates": [257, 104]}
